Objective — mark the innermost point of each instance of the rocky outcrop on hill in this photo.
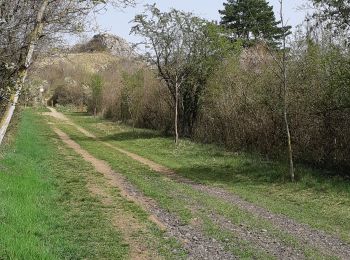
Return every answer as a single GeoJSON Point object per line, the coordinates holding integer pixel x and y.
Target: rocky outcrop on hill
{"type": "Point", "coordinates": [115, 45]}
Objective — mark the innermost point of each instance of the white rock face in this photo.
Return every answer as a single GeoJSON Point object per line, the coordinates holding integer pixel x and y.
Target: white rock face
{"type": "Point", "coordinates": [117, 46]}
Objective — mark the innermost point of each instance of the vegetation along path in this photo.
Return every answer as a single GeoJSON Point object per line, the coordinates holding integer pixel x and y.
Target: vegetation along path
{"type": "Point", "coordinates": [263, 233]}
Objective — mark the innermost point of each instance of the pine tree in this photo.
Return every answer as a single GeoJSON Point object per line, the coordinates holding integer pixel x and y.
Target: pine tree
{"type": "Point", "coordinates": [251, 21]}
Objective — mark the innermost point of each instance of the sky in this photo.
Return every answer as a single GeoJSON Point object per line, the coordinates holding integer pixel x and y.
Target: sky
{"type": "Point", "coordinates": [118, 21]}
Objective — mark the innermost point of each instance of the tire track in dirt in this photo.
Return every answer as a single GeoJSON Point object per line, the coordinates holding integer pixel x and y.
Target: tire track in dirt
{"type": "Point", "coordinates": [260, 239]}
{"type": "Point", "coordinates": [326, 243]}
{"type": "Point", "coordinates": [194, 241]}
{"type": "Point", "coordinates": [126, 224]}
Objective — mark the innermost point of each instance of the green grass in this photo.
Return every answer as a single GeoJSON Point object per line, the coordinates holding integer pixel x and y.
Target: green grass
{"type": "Point", "coordinates": [46, 209]}
{"type": "Point", "coordinates": [181, 199]}
{"type": "Point", "coordinates": [45, 206]}
{"type": "Point", "coordinates": [321, 202]}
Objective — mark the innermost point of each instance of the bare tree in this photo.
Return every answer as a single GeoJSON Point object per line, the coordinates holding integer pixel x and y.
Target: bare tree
{"type": "Point", "coordinates": [168, 47]}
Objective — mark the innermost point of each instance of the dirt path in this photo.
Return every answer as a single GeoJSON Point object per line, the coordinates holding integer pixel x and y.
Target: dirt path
{"type": "Point", "coordinates": [126, 224]}
{"type": "Point", "coordinates": [326, 243]}
{"type": "Point", "coordinates": [261, 239]}
{"type": "Point", "coordinates": [194, 241]}
{"type": "Point", "coordinates": [62, 117]}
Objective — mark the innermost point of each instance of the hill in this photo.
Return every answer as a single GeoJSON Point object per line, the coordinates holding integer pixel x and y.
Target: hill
{"type": "Point", "coordinates": [105, 42]}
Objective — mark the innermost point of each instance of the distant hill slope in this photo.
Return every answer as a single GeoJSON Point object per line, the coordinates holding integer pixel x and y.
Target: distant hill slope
{"type": "Point", "coordinates": [88, 62]}
{"type": "Point", "coordinates": [70, 72]}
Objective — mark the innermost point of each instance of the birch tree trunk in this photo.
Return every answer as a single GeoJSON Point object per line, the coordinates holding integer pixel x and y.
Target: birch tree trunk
{"type": "Point", "coordinates": [22, 74]}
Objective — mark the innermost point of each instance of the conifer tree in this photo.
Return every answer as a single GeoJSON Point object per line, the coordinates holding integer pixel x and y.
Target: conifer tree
{"type": "Point", "coordinates": [251, 21]}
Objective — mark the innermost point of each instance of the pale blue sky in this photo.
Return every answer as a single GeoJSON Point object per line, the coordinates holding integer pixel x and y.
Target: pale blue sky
{"type": "Point", "coordinates": [118, 22]}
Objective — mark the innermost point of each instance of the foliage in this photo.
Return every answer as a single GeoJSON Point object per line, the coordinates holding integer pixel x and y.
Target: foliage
{"type": "Point", "coordinates": [229, 94]}
{"type": "Point", "coordinates": [132, 94]}
{"type": "Point", "coordinates": [252, 21]}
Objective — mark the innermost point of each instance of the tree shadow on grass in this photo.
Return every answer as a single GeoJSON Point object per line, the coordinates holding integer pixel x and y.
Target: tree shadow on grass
{"type": "Point", "coordinates": [79, 114]}
{"type": "Point", "coordinates": [237, 170]}
{"type": "Point", "coordinates": [245, 172]}
{"type": "Point", "coordinates": [262, 174]}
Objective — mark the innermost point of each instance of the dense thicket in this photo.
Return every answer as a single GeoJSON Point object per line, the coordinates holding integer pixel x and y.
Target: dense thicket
{"type": "Point", "coordinates": [244, 111]}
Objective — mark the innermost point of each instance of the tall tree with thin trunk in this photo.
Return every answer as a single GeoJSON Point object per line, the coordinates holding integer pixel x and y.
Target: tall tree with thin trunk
{"type": "Point", "coordinates": [285, 95]}
{"type": "Point", "coordinates": [280, 58]}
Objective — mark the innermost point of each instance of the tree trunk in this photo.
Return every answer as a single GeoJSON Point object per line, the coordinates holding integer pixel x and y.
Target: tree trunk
{"type": "Point", "coordinates": [290, 150]}
{"type": "Point", "coordinates": [285, 100]}
{"type": "Point", "coordinates": [22, 73]}
{"type": "Point", "coordinates": [176, 113]}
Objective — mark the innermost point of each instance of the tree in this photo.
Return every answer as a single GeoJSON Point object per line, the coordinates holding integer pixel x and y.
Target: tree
{"type": "Point", "coordinates": [251, 21]}
{"type": "Point", "coordinates": [25, 61]}
{"type": "Point", "coordinates": [210, 50]}
{"type": "Point", "coordinates": [283, 67]}
{"type": "Point", "coordinates": [281, 59]}
{"type": "Point", "coordinates": [180, 46]}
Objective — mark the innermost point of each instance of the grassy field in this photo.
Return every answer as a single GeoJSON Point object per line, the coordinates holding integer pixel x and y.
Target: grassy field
{"type": "Point", "coordinates": [47, 210]}
{"type": "Point", "coordinates": [323, 203]}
